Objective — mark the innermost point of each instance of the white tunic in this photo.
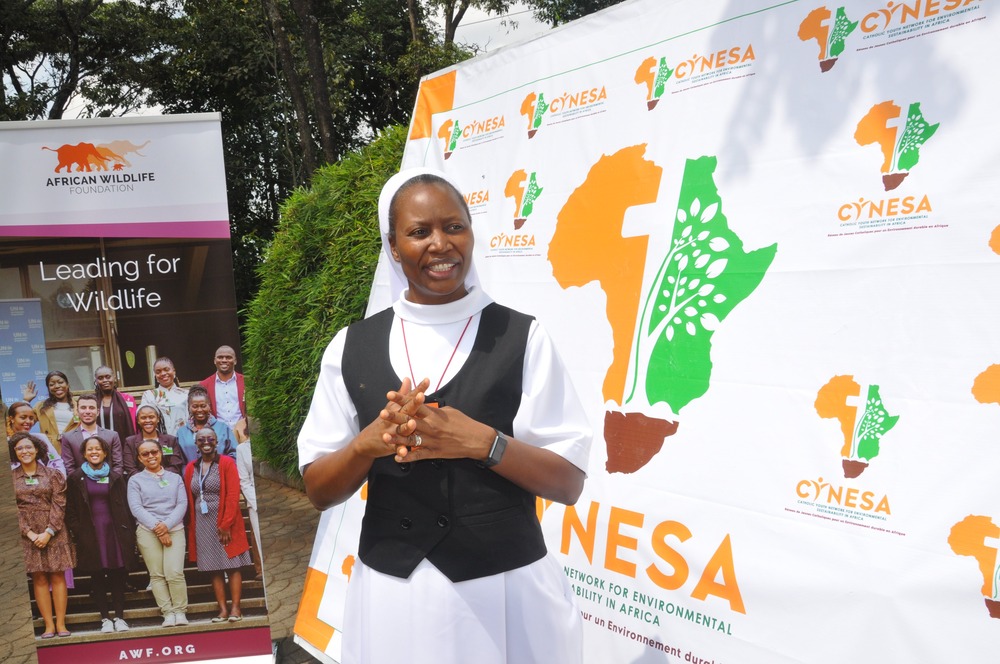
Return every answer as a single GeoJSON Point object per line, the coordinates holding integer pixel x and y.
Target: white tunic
{"type": "Point", "coordinates": [524, 615]}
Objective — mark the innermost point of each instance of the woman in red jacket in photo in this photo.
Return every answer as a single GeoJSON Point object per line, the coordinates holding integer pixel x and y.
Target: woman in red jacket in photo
{"type": "Point", "coordinates": [217, 539]}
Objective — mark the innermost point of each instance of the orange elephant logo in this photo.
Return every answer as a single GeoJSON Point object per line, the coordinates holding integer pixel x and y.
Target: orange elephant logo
{"type": "Point", "coordinates": [89, 157]}
{"type": "Point", "coordinates": [80, 154]}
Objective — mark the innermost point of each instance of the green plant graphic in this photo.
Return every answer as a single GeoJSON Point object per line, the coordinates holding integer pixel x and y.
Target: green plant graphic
{"type": "Point", "coordinates": [663, 74]}
{"type": "Point", "coordinates": [455, 133]}
{"type": "Point", "coordinates": [533, 192]}
{"type": "Point", "coordinates": [540, 108]}
{"type": "Point", "coordinates": [916, 132]}
{"type": "Point", "coordinates": [702, 278]}
{"type": "Point", "coordinates": [842, 27]}
{"type": "Point", "coordinates": [875, 422]}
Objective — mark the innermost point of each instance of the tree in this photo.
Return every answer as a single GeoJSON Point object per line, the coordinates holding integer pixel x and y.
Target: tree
{"type": "Point", "coordinates": [52, 51]}
{"type": "Point", "coordinates": [315, 281]}
{"type": "Point", "coordinates": [557, 12]}
{"type": "Point", "coordinates": [453, 11]}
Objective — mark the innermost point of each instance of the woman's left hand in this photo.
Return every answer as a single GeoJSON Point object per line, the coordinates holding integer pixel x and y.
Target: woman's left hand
{"type": "Point", "coordinates": [42, 540]}
{"type": "Point", "coordinates": [445, 433]}
{"type": "Point", "coordinates": [448, 433]}
{"type": "Point", "coordinates": [224, 536]}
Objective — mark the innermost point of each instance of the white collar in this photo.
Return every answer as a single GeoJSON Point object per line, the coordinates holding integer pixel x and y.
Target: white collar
{"type": "Point", "coordinates": [442, 314]}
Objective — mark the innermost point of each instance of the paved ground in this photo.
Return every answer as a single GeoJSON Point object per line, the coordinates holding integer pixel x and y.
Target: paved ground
{"type": "Point", "coordinates": [287, 523]}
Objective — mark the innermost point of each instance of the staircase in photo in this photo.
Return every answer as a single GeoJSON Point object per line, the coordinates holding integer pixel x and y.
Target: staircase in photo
{"type": "Point", "coordinates": [141, 612]}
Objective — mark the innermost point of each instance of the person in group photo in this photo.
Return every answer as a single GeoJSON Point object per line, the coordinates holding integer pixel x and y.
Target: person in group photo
{"type": "Point", "coordinates": [200, 417]}
{"type": "Point", "coordinates": [248, 487]}
{"type": "Point", "coordinates": [167, 395]}
{"type": "Point", "coordinates": [116, 409]}
{"type": "Point", "coordinates": [217, 539]}
{"type": "Point", "coordinates": [103, 529]}
{"type": "Point", "coordinates": [40, 494]}
{"type": "Point", "coordinates": [149, 426]}
{"type": "Point", "coordinates": [159, 501]}
{"type": "Point", "coordinates": [71, 442]}
{"type": "Point", "coordinates": [21, 417]}
{"type": "Point", "coordinates": [227, 392]}
{"type": "Point", "coordinates": [56, 414]}
{"type": "Point", "coordinates": [484, 420]}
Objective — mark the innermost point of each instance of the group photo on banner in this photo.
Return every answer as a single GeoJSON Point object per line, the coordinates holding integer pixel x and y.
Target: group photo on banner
{"type": "Point", "coordinates": [125, 411]}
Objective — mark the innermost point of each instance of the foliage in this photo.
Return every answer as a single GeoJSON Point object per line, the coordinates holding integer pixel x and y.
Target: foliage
{"type": "Point", "coordinates": [315, 281]}
{"type": "Point", "coordinates": [557, 12]}
{"type": "Point", "coordinates": [50, 51]}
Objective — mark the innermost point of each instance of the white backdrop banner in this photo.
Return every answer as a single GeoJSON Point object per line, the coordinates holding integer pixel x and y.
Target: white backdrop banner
{"type": "Point", "coordinates": [764, 237]}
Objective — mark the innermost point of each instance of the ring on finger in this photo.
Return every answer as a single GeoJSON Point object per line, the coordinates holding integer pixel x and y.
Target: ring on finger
{"type": "Point", "coordinates": [417, 440]}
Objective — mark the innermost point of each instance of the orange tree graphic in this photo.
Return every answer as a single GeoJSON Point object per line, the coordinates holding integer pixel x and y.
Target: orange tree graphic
{"type": "Point", "coordinates": [524, 195]}
{"type": "Point", "coordinates": [662, 340]}
{"type": "Point", "coordinates": [899, 155]}
{"type": "Point", "coordinates": [863, 437]}
{"type": "Point", "coordinates": [533, 108]}
{"type": "Point", "coordinates": [831, 42]}
{"type": "Point", "coordinates": [449, 134]}
{"type": "Point", "coordinates": [968, 538]}
{"type": "Point", "coordinates": [654, 76]}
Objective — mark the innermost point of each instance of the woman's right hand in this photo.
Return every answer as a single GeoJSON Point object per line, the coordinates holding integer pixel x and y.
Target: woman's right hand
{"type": "Point", "coordinates": [161, 529]}
{"type": "Point", "coordinates": [334, 477]}
{"type": "Point", "coordinates": [30, 391]}
{"type": "Point", "coordinates": [394, 425]}
{"type": "Point", "coordinates": [165, 539]}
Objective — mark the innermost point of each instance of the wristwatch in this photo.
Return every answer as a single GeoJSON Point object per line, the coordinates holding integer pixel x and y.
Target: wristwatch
{"type": "Point", "coordinates": [496, 450]}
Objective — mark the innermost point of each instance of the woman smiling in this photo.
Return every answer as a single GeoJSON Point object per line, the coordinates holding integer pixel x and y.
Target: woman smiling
{"type": "Point", "coordinates": [219, 544]}
{"type": "Point", "coordinates": [484, 420]}
{"type": "Point", "coordinates": [41, 514]}
{"type": "Point", "coordinates": [159, 502]}
{"type": "Point", "coordinates": [104, 530]}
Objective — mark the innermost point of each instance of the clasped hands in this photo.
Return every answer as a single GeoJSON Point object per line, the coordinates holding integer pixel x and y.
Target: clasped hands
{"type": "Point", "coordinates": [413, 430]}
{"type": "Point", "coordinates": [40, 540]}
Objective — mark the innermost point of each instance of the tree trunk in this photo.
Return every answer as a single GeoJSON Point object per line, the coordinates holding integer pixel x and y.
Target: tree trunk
{"type": "Point", "coordinates": [411, 8]}
{"type": "Point", "coordinates": [67, 87]}
{"type": "Point", "coordinates": [452, 17]}
{"type": "Point", "coordinates": [321, 95]}
{"type": "Point", "coordinates": [294, 88]}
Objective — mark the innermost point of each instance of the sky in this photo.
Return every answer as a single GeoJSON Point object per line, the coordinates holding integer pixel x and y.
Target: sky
{"type": "Point", "coordinates": [489, 31]}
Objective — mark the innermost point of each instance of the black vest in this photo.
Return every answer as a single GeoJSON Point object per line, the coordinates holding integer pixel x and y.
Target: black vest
{"type": "Point", "coordinates": [468, 521]}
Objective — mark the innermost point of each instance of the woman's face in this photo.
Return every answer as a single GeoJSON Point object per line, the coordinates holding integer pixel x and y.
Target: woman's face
{"type": "Point", "coordinates": [150, 456]}
{"type": "Point", "coordinates": [25, 452]}
{"type": "Point", "coordinates": [58, 388]}
{"type": "Point", "coordinates": [148, 421]}
{"type": "Point", "coordinates": [206, 442]}
{"type": "Point", "coordinates": [105, 380]}
{"type": "Point", "coordinates": [23, 419]}
{"type": "Point", "coordinates": [433, 242]}
{"type": "Point", "coordinates": [93, 452]}
{"type": "Point", "coordinates": [200, 409]}
{"type": "Point", "coordinates": [164, 372]}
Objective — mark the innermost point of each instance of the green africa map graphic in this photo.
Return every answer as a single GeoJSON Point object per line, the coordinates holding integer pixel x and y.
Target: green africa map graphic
{"type": "Point", "coordinates": [662, 338]}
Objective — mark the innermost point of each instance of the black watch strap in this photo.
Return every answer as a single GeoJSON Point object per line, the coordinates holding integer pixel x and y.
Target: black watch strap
{"type": "Point", "coordinates": [496, 450]}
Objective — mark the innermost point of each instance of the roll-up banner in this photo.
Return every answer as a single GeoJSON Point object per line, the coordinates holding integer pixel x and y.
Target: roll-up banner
{"type": "Point", "coordinates": [116, 252]}
{"type": "Point", "coordinates": [766, 240]}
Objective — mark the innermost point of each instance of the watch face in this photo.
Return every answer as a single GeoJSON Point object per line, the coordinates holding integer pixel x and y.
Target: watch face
{"type": "Point", "coordinates": [497, 450]}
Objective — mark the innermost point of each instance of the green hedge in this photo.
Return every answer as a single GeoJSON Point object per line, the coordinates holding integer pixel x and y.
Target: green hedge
{"type": "Point", "coordinates": [315, 280]}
